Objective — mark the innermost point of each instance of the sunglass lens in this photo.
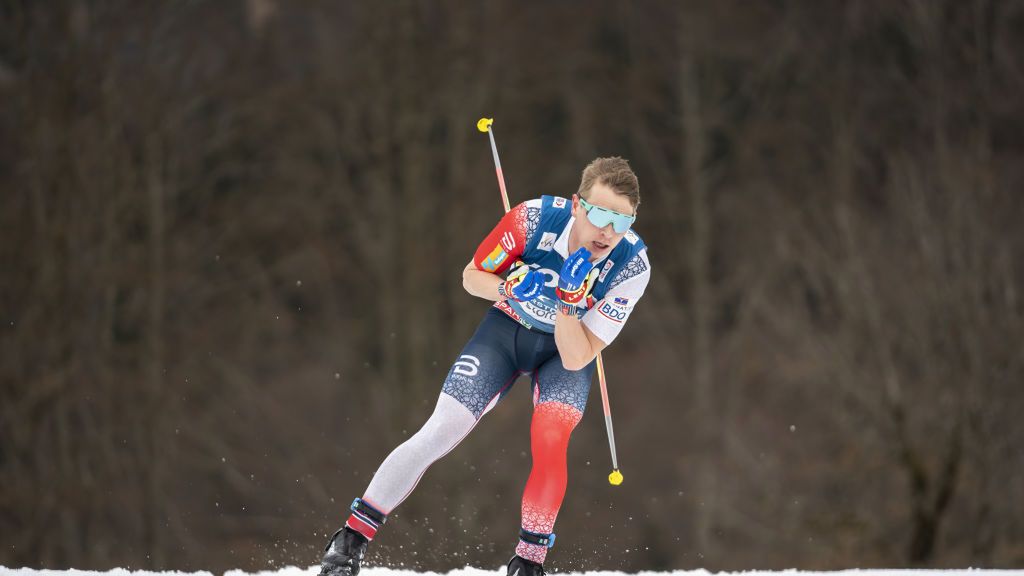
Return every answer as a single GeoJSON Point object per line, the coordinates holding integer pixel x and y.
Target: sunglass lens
{"type": "Point", "coordinates": [600, 217]}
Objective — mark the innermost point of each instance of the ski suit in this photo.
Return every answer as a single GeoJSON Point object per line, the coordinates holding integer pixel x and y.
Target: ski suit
{"type": "Point", "coordinates": [516, 339]}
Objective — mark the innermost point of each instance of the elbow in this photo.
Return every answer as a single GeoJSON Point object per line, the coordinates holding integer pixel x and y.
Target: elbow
{"type": "Point", "coordinates": [573, 364]}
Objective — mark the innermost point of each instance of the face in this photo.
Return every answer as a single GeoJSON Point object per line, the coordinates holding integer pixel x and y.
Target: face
{"type": "Point", "coordinates": [600, 241]}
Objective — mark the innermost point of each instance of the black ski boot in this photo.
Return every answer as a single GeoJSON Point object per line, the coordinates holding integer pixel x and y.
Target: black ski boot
{"type": "Point", "coordinates": [519, 566]}
{"type": "Point", "coordinates": [343, 553]}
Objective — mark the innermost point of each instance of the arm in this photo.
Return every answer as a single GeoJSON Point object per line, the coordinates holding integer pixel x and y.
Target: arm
{"type": "Point", "coordinates": [581, 340]}
{"type": "Point", "coordinates": [496, 254]}
{"type": "Point", "coordinates": [481, 284]}
{"type": "Point", "coordinates": [577, 345]}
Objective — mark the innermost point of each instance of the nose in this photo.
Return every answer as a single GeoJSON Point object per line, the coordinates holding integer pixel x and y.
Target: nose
{"type": "Point", "coordinates": [608, 231]}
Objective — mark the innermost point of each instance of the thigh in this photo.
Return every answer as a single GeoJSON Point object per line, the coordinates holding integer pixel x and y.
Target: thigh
{"type": "Point", "coordinates": [553, 383]}
{"type": "Point", "coordinates": [485, 368]}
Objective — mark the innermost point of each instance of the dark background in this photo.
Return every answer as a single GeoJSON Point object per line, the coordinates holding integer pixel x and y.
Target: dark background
{"type": "Point", "coordinates": [232, 236]}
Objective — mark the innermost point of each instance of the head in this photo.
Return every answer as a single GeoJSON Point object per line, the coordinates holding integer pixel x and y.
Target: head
{"type": "Point", "coordinates": [607, 183]}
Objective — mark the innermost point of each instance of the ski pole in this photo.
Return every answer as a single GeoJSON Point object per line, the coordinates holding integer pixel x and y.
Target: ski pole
{"type": "Point", "coordinates": [615, 478]}
{"type": "Point", "coordinates": [484, 125]}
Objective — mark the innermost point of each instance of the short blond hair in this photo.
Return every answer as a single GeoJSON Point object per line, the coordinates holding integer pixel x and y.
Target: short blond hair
{"type": "Point", "coordinates": [615, 173]}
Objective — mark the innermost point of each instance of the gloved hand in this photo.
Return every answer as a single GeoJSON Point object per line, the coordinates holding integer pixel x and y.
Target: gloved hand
{"type": "Point", "coordinates": [523, 284]}
{"type": "Point", "coordinates": [575, 280]}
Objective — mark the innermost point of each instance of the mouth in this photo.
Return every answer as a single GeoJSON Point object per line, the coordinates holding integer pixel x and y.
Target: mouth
{"type": "Point", "coordinates": [599, 245]}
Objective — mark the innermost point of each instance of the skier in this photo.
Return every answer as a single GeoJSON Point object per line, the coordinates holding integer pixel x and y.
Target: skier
{"type": "Point", "coordinates": [575, 272]}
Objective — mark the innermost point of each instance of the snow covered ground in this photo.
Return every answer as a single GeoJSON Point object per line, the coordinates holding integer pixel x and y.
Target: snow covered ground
{"type": "Point", "coordinates": [292, 571]}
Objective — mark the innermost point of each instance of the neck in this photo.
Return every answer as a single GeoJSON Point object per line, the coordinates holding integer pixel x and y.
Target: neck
{"type": "Point", "coordinates": [574, 240]}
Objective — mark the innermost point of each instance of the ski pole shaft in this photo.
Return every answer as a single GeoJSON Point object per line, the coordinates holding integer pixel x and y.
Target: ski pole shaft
{"type": "Point", "coordinates": [607, 411]}
{"type": "Point", "coordinates": [615, 478]}
{"type": "Point", "coordinates": [484, 125]}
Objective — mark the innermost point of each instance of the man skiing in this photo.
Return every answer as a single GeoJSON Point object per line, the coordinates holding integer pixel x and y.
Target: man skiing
{"type": "Point", "coordinates": [575, 272]}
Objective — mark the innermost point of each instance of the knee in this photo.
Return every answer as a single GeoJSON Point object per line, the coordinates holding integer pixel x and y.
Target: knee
{"type": "Point", "coordinates": [553, 423]}
{"type": "Point", "coordinates": [549, 437]}
{"type": "Point", "coordinates": [449, 423]}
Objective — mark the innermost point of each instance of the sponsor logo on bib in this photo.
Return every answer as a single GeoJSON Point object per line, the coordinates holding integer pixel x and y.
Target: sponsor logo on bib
{"type": "Point", "coordinates": [547, 241]}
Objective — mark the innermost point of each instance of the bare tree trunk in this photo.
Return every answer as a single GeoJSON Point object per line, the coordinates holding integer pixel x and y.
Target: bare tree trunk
{"type": "Point", "coordinates": [702, 302]}
{"type": "Point", "coordinates": [978, 431]}
{"type": "Point", "coordinates": [152, 470]}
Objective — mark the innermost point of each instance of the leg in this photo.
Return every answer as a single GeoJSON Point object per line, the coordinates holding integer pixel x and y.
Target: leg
{"type": "Point", "coordinates": [394, 480]}
{"type": "Point", "coordinates": [477, 380]}
{"type": "Point", "coordinates": [403, 468]}
{"type": "Point", "coordinates": [560, 397]}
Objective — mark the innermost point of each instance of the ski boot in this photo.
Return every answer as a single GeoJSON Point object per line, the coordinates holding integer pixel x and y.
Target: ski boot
{"type": "Point", "coordinates": [519, 566]}
{"type": "Point", "coordinates": [343, 553]}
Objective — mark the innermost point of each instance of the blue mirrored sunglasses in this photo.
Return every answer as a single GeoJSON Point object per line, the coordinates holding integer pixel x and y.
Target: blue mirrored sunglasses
{"type": "Point", "coordinates": [602, 217]}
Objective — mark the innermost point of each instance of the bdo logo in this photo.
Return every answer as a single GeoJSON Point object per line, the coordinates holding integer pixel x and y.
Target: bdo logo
{"type": "Point", "coordinates": [613, 312]}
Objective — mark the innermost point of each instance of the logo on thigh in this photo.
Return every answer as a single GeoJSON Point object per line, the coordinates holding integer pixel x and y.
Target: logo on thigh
{"type": "Point", "coordinates": [467, 365]}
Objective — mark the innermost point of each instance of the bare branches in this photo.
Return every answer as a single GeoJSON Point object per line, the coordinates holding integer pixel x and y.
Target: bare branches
{"type": "Point", "coordinates": [232, 236]}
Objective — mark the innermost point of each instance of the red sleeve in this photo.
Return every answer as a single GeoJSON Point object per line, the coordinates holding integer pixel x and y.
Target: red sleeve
{"type": "Point", "coordinates": [504, 244]}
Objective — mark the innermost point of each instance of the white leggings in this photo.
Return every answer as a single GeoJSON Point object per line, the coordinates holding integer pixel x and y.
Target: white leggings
{"type": "Point", "coordinates": [403, 468]}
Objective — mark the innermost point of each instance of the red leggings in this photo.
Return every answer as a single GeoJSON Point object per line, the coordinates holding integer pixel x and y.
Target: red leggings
{"type": "Point", "coordinates": [552, 424]}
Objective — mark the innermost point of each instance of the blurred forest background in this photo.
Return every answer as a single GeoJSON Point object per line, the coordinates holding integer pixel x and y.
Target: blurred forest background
{"type": "Point", "coordinates": [232, 236]}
